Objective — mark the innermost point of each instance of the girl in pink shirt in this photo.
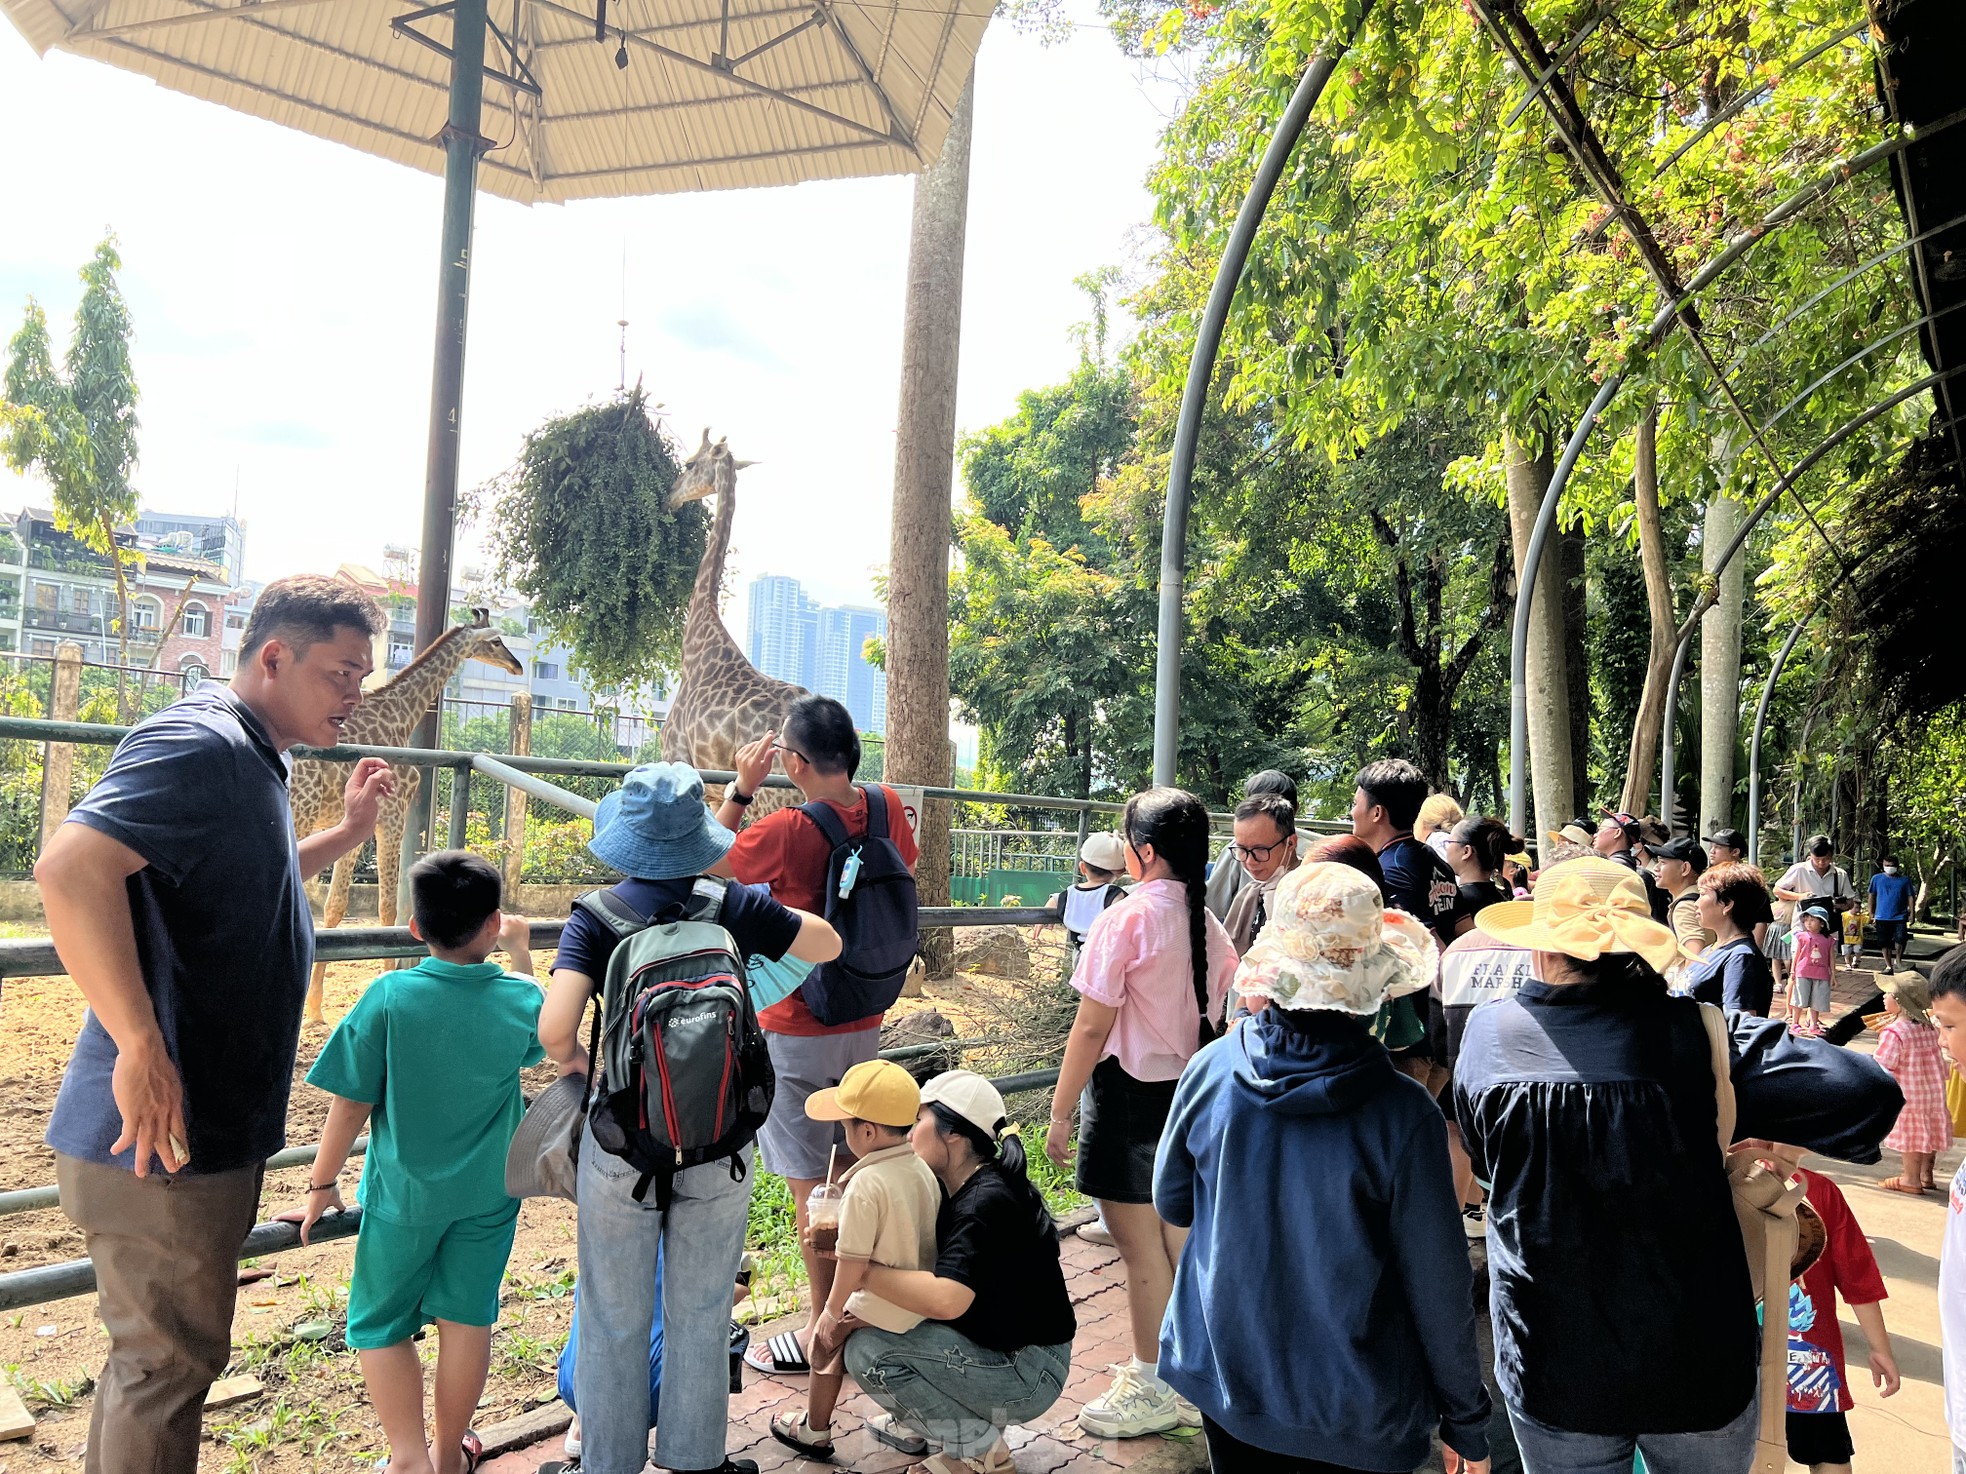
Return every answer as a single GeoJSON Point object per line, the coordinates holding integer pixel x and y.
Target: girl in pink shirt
{"type": "Point", "coordinates": [1152, 978]}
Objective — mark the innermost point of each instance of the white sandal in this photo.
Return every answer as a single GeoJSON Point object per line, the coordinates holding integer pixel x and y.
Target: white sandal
{"type": "Point", "coordinates": [888, 1429]}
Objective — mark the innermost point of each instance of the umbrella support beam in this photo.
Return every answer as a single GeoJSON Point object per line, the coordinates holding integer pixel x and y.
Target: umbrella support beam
{"type": "Point", "coordinates": [463, 144]}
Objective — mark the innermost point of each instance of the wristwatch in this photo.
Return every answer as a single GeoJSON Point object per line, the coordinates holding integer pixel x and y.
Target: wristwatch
{"type": "Point", "coordinates": [742, 800]}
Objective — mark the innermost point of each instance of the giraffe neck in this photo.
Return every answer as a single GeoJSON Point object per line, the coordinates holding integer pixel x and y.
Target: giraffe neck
{"type": "Point", "coordinates": [389, 714]}
{"type": "Point", "coordinates": [703, 628]}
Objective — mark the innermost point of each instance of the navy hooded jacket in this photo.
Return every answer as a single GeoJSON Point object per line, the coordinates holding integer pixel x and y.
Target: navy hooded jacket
{"type": "Point", "coordinates": [1323, 1307]}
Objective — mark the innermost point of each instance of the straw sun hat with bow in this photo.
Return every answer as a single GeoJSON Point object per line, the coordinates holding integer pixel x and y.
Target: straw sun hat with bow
{"type": "Point", "coordinates": [1331, 943]}
{"type": "Point", "coordinates": [1585, 908]}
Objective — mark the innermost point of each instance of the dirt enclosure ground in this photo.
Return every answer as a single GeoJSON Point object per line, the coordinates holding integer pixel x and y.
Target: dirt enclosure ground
{"type": "Point", "coordinates": [287, 1332]}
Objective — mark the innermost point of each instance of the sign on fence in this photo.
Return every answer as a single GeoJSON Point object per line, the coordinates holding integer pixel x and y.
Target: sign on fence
{"type": "Point", "coordinates": [912, 797]}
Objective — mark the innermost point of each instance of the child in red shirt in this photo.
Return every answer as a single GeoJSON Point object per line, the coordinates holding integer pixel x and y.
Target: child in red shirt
{"type": "Point", "coordinates": [1819, 1384]}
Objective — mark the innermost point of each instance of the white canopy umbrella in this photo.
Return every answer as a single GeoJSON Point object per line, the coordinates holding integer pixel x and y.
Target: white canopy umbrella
{"type": "Point", "coordinates": [669, 95]}
{"type": "Point", "coordinates": [574, 99]}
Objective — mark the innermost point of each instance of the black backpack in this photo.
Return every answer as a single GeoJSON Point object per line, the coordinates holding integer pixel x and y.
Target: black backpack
{"type": "Point", "coordinates": [681, 1072]}
{"type": "Point", "coordinates": [877, 917]}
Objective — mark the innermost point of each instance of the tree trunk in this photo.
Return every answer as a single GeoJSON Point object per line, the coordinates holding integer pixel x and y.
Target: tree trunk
{"type": "Point", "coordinates": [122, 622]}
{"type": "Point", "coordinates": [1528, 473]}
{"type": "Point", "coordinates": [1720, 668]}
{"type": "Point", "coordinates": [924, 466]}
{"type": "Point", "coordinates": [1577, 662]}
{"type": "Point", "coordinates": [1642, 762]}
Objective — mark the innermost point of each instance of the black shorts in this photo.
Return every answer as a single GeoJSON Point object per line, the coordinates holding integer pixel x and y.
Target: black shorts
{"type": "Point", "coordinates": [1887, 933]}
{"type": "Point", "coordinates": [1819, 1438]}
{"type": "Point", "coordinates": [1120, 1124]}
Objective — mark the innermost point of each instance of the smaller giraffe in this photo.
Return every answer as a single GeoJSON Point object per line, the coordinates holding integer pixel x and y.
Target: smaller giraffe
{"type": "Point", "coordinates": [386, 717]}
{"type": "Point", "coordinates": [722, 701]}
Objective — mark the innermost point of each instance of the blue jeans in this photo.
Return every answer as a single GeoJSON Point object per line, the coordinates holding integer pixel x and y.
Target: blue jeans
{"type": "Point", "coordinates": [1547, 1450]}
{"type": "Point", "coordinates": [958, 1395]}
{"type": "Point", "coordinates": [701, 1239]}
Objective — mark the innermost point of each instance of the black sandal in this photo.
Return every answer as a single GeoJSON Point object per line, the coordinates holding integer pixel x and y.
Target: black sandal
{"type": "Point", "coordinates": [786, 1356]}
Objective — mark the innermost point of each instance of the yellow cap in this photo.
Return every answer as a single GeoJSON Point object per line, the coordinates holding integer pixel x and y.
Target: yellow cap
{"type": "Point", "coordinates": [877, 1090]}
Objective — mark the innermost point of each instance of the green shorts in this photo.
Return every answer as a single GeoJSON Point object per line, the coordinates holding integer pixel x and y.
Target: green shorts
{"type": "Point", "coordinates": [409, 1275]}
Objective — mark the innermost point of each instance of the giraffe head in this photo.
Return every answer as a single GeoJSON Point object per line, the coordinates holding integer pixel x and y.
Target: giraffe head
{"type": "Point", "coordinates": [710, 468]}
{"type": "Point", "coordinates": [483, 642]}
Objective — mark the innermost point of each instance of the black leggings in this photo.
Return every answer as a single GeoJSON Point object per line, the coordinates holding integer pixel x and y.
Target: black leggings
{"type": "Point", "coordinates": [1228, 1454]}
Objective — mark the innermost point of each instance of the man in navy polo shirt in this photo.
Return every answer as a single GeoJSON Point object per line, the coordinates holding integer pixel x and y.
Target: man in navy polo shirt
{"type": "Point", "coordinates": [174, 895]}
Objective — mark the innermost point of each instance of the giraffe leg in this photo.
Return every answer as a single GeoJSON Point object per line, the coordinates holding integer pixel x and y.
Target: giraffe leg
{"type": "Point", "coordinates": [389, 844]}
{"type": "Point", "coordinates": [333, 912]}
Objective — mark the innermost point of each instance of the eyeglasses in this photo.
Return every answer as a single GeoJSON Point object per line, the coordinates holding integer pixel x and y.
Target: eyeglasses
{"type": "Point", "coordinates": [781, 747]}
{"type": "Point", "coordinates": [1260, 853]}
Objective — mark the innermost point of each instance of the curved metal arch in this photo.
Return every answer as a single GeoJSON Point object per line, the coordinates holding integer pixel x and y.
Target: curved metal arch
{"type": "Point", "coordinates": [1760, 509]}
{"type": "Point", "coordinates": [1194, 397]}
{"type": "Point", "coordinates": [1783, 213]}
{"type": "Point", "coordinates": [1760, 720]}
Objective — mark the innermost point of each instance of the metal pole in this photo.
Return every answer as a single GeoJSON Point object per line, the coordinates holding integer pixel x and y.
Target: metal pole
{"type": "Point", "coordinates": [1754, 742]}
{"type": "Point", "coordinates": [1194, 397]}
{"type": "Point", "coordinates": [461, 808]}
{"type": "Point", "coordinates": [1525, 597]}
{"type": "Point", "coordinates": [463, 143]}
{"type": "Point", "coordinates": [1666, 725]}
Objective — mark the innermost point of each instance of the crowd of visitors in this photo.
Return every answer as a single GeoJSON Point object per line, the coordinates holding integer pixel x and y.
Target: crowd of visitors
{"type": "Point", "coordinates": [1408, 1017]}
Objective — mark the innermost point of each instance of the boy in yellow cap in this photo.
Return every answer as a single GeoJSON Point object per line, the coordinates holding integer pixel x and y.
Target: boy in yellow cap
{"type": "Point", "coordinates": [887, 1217]}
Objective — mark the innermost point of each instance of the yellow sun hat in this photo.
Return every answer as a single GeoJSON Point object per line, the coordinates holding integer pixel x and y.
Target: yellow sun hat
{"type": "Point", "coordinates": [1584, 908]}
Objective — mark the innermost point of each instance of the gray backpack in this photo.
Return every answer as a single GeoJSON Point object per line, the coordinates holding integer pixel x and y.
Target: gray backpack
{"type": "Point", "coordinates": [681, 1072]}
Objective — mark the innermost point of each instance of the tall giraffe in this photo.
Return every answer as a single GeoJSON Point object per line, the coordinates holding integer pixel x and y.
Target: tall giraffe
{"type": "Point", "coordinates": [722, 701]}
{"type": "Point", "coordinates": [386, 717]}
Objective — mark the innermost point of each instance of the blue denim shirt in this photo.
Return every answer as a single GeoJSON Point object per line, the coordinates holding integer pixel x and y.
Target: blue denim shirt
{"type": "Point", "coordinates": [1617, 1279]}
{"type": "Point", "coordinates": [223, 933]}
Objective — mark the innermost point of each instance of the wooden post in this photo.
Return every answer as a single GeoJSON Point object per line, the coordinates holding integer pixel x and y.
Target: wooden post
{"type": "Point", "coordinates": [515, 801]}
{"type": "Point", "coordinates": [58, 767]}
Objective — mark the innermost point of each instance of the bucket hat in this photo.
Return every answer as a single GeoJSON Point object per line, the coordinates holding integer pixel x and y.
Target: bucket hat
{"type": "Point", "coordinates": [1913, 993]}
{"type": "Point", "coordinates": [1331, 943]}
{"type": "Point", "coordinates": [543, 1158]}
{"type": "Point", "coordinates": [1571, 834]}
{"type": "Point", "coordinates": [1584, 908]}
{"type": "Point", "coordinates": [655, 826]}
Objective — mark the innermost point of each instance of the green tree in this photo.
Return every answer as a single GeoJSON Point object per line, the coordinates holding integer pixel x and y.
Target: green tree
{"type": "Point", "coordinates": [583, 530]}
{"type": "Point", "coordinates": [77, 428]}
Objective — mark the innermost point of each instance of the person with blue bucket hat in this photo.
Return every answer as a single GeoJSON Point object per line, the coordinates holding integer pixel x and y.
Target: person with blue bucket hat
{"type": "Point", "coordinates": [656, 831]}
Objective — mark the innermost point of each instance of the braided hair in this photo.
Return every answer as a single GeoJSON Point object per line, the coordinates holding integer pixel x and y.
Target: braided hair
{"type": "Point", "coordinates": [1175, 823]}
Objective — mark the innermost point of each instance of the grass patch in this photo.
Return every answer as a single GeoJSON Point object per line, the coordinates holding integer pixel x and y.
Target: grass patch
{"type": "Point", "coordinates": [516, 1353]}
{"type": "Point", "coordinates": [528, 1287]}
{"type": "Point", "coordinates": [60, 1392]}
{"type": "Point", "coordinates": [771, 1237]}
{"type": "Point", "coordinates": [313, 1427]}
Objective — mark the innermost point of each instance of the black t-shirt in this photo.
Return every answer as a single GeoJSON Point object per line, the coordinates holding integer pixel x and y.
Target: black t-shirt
{"type": "Point", "coordinates": [1478, 895]}
{"type": "Point", "coordinates": [758, 924]}
{"type": "Point", "coordinates": [989, 1237]}
{"type": "Point", "coordinates": [1422, 884]}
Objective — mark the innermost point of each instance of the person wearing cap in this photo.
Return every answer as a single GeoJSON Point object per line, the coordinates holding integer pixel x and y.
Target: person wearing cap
{"type": "Point", "coordinates": [1618, 837]}
{"type": "Point", "coordinates": [1678, 864]}
{"type": "Point", "coordinates": [1727, 847]}
{"type": "Point", "coordinates": [1101, 867]}
{"type": "Point", "coordinates": [1814, 970]}
{"type": "Point", "coordinates": [1577, 833]}
{"type": "Point", "coordinates": [1266, 848]}
{"type": "Point", "coordinates": [1731, 973]}
{"type": "Point", "coordinates": [1890, 912]}
{"type": "Point", "coordinates": [1908, 1046]}
{"type": "Point", "coordinates": [1226, 877]}
{"type": "Point", "coordinates": [1588, 1105]}
{"type": "Point", "coordinates": [1335, 1330]}
{"type": "Point", "coordinates": [656, 831]}
{"type": "Point", "coordinates": [994, 1346]}
{"type": "Point", "coordinates": [887, 1218]}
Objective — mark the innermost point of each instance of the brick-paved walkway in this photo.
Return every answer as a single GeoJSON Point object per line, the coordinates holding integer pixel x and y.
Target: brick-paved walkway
{"type": "Point", "coordinates": [1052, 1444]}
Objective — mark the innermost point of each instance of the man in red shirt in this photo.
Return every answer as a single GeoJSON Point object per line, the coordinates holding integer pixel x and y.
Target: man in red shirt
{"type": "Point", "coordinates": [820, 751]}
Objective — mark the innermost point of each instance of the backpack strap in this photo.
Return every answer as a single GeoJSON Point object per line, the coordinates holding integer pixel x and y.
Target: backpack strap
{"type": "Point", "coordinates": [613, 913]}
{"type": "Point", "coordinates": [876, 810]}
{"type": "Point", "coordinates": [706, 899]}
{"type": "Point", "coordinates": [1113, 893]}
{"type": "Point", "coordinates": [828, 822]}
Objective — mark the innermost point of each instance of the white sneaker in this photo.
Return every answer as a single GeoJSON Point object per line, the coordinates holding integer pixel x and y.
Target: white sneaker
{"type": "Point", "coordinates": [1474, 1221]}
{"type": "Point", "coordinates": [1132, 1407]}
{"type": "Point", "coordinates": [1190, 1414]}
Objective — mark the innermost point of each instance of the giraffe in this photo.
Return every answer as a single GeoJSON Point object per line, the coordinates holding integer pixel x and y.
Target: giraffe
{"type": "Point", "coordinates": [722, 701]}
{"type": "Point", "coordinates": [386, 717]}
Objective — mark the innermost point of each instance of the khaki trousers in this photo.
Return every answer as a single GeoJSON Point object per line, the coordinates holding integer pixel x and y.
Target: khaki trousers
{"type": "Point", "coordinates": [166, 1252]}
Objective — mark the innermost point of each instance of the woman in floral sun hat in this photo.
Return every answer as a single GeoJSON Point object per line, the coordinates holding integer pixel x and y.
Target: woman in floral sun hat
{"type": "Point", "coordinates": [1334, 1331]}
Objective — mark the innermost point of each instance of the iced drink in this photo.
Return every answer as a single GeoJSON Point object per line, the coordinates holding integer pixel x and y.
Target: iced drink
{"type": "Point", "coordinates": [823, 1213]}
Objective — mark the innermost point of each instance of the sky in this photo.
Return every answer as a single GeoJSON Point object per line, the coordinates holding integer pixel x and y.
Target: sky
{"type": "Point", "coordinates": [283, 291]}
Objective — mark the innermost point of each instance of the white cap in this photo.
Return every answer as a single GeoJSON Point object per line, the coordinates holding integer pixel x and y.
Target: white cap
{"type": "Point", "coordinates": [970, 1096]}
{"type": "Point", "coordinates": [1104, 852]}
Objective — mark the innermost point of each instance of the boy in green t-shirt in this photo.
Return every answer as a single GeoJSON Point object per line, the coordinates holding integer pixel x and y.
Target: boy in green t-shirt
{"type": "Point", "coordinates": [430, 1058]}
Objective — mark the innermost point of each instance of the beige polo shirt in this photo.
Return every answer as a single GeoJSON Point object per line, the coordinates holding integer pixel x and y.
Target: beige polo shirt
{"type": "Point", "coordinates": [888, 1218]}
